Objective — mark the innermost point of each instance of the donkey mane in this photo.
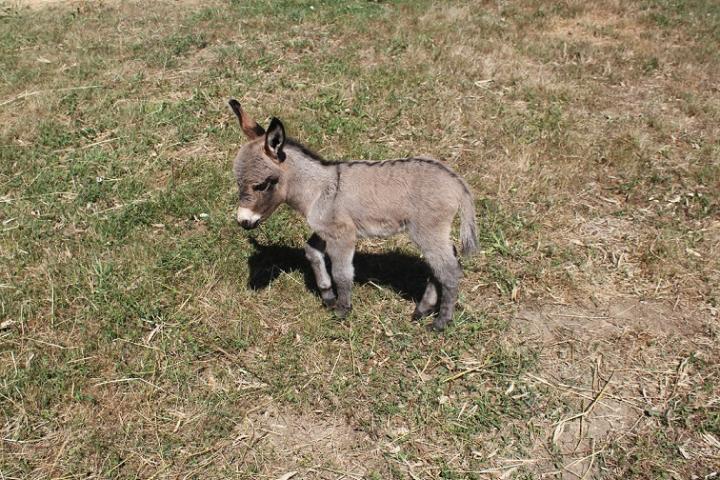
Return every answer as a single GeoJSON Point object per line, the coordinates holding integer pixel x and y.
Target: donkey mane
{"type": "Point", "coordinates": [311, 154]}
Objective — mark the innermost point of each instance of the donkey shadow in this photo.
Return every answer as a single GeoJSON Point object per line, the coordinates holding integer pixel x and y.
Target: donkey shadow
{"type": "Point", "coordinates": [406, 274]}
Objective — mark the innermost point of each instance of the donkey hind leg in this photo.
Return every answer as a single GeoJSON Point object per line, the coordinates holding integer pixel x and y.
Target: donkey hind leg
{"type": "Point", "coordinates": [439, 252]}
{"type": "Point", "coordinates": [447, 270]}
{"type": "Point", "coordinates": [428, 302]}
{"type": "Point", "coordinates": [341, 256]}
{"type": "Point", "coordinates": [315, 253]}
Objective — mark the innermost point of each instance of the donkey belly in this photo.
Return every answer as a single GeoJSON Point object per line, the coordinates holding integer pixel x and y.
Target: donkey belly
{"type": "Point", "coordinates": [379, 227]}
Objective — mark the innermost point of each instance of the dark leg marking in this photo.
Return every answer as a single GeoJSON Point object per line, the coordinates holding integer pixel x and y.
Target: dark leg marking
{"type": "Point", "coordinates": [315, 253]}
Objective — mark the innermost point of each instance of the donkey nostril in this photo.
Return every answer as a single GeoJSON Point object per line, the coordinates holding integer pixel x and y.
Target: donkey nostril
{"type": "Point", "coordinates": [249, 224]}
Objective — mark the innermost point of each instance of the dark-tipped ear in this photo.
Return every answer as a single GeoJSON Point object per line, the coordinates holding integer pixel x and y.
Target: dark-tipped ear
{"type": "Point", "coordinates": [275, 140]}
{"type": "Point", "coordinates": [249, 126]}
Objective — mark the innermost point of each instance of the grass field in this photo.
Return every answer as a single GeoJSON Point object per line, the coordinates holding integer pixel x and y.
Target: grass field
{"type": "Point", "coordinates": [144, 335]}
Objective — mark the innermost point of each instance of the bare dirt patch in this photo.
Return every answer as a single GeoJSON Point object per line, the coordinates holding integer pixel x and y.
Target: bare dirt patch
{"type": "Point", "coordinates": [615, 318]}
{"type": "Point", "coordinates": [622, 368]}
{"type": "Point", "coordinates": [319, 444]}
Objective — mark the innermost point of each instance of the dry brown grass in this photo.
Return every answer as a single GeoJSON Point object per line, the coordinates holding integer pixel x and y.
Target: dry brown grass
{"type": "Point", "coordinates": [143, 336]}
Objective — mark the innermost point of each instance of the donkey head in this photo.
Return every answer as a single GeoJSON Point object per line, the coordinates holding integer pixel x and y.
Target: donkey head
{"type": "Point", "coordinates": [259, 169]}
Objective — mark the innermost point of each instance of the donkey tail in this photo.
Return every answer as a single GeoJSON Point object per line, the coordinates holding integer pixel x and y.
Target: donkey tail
{"type": "Point", "coordinates": [468, 227]}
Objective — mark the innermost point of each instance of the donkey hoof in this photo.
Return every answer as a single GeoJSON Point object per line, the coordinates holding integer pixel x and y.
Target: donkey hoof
{"type": "Point", "coordinates": [418, 314]}
{"type": "Point", "coordinates": [342, 311]}
{"type": "Point", "coordinates": [439, 325]}
{"type": "Point", "coordinates": [328, 297]}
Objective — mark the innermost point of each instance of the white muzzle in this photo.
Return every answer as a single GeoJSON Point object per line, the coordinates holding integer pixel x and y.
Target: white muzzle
{"type": "Point", "coordinates": [247, 215]}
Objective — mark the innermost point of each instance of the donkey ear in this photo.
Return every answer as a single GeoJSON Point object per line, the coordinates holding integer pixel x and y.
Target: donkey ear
{"type": "Point", "coordinates": [275, 140]}
{"type": "Point", "coordinates": [250, 127]}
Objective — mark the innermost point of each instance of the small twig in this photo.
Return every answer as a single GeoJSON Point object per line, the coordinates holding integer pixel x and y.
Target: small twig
{"type": "Point", "coordinates": [578, 391]}
{"type": "Point", "coordinates": [52, 299]}
{"type": "Point", "coordinates": [78, 360]}
{"type": "Point", "coordinates": [409, 470]}
{"type": "Point", "coordinates": [595, 400]}
{"type": "Point", "coordinates": [426, 364]}
{"type": "Point", "coordinates": [35, 440]}
{"type": "Point", "coordinates": [519, 463]}
{"type": "Point", "coordinates": [287, 476]}
{"type": "Point", "coordinates": [116, 207]}
{"type": "Point", "coordinates": [332, 371]}
{"type": "Point", "coordinates": [463, 373]}
{"type": "Point", "coordinates": [46, 343]}
{"type": "Point", "coordinates": [129, 379]}
{"type": "Point", "coordinates": [89, 145]}
{"type": "Point", "coordinates": [197, 454]}
{"type": "Point", "coordinates": [338, 472]}
{"type": "Point", "coordinates": [30, 197]}
{"type": "Point", "coordinates": [352, 356]}
{"type": "Point", "coordinates": [559, 425]}
{"type": "Point", "coordinates": [592, 458]}
{"type": "Point", "coordinates": [592, 455]}
{"type": "Point", "coordinates": [588, 317]}
{"type": "Point", "coordinates": [474, 369]}
{"type": "Point", "coordinates": [60, 452]}
{"type": "Point", "coordinates": [152, 334]}
{"type": "Point", "coordinates": [370, 282]}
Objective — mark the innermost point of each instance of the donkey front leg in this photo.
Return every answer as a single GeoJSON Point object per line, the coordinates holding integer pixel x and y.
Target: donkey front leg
{"type": "Point", "coordinates": [341, 253]}
{"type": "Point", "coordinates": [315, 253]}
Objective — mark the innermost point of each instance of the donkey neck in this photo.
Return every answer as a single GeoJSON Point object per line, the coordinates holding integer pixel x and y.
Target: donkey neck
{"type": "Point", "coordinates": [307, 179]}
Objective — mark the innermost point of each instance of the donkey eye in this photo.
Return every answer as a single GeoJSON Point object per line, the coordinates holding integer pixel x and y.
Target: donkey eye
{"type": "Point", "coordinates": [266, 185]}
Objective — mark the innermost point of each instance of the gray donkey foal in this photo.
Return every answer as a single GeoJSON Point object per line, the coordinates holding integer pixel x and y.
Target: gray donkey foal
{"type": "Point", "coordinates": [344, 201]}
